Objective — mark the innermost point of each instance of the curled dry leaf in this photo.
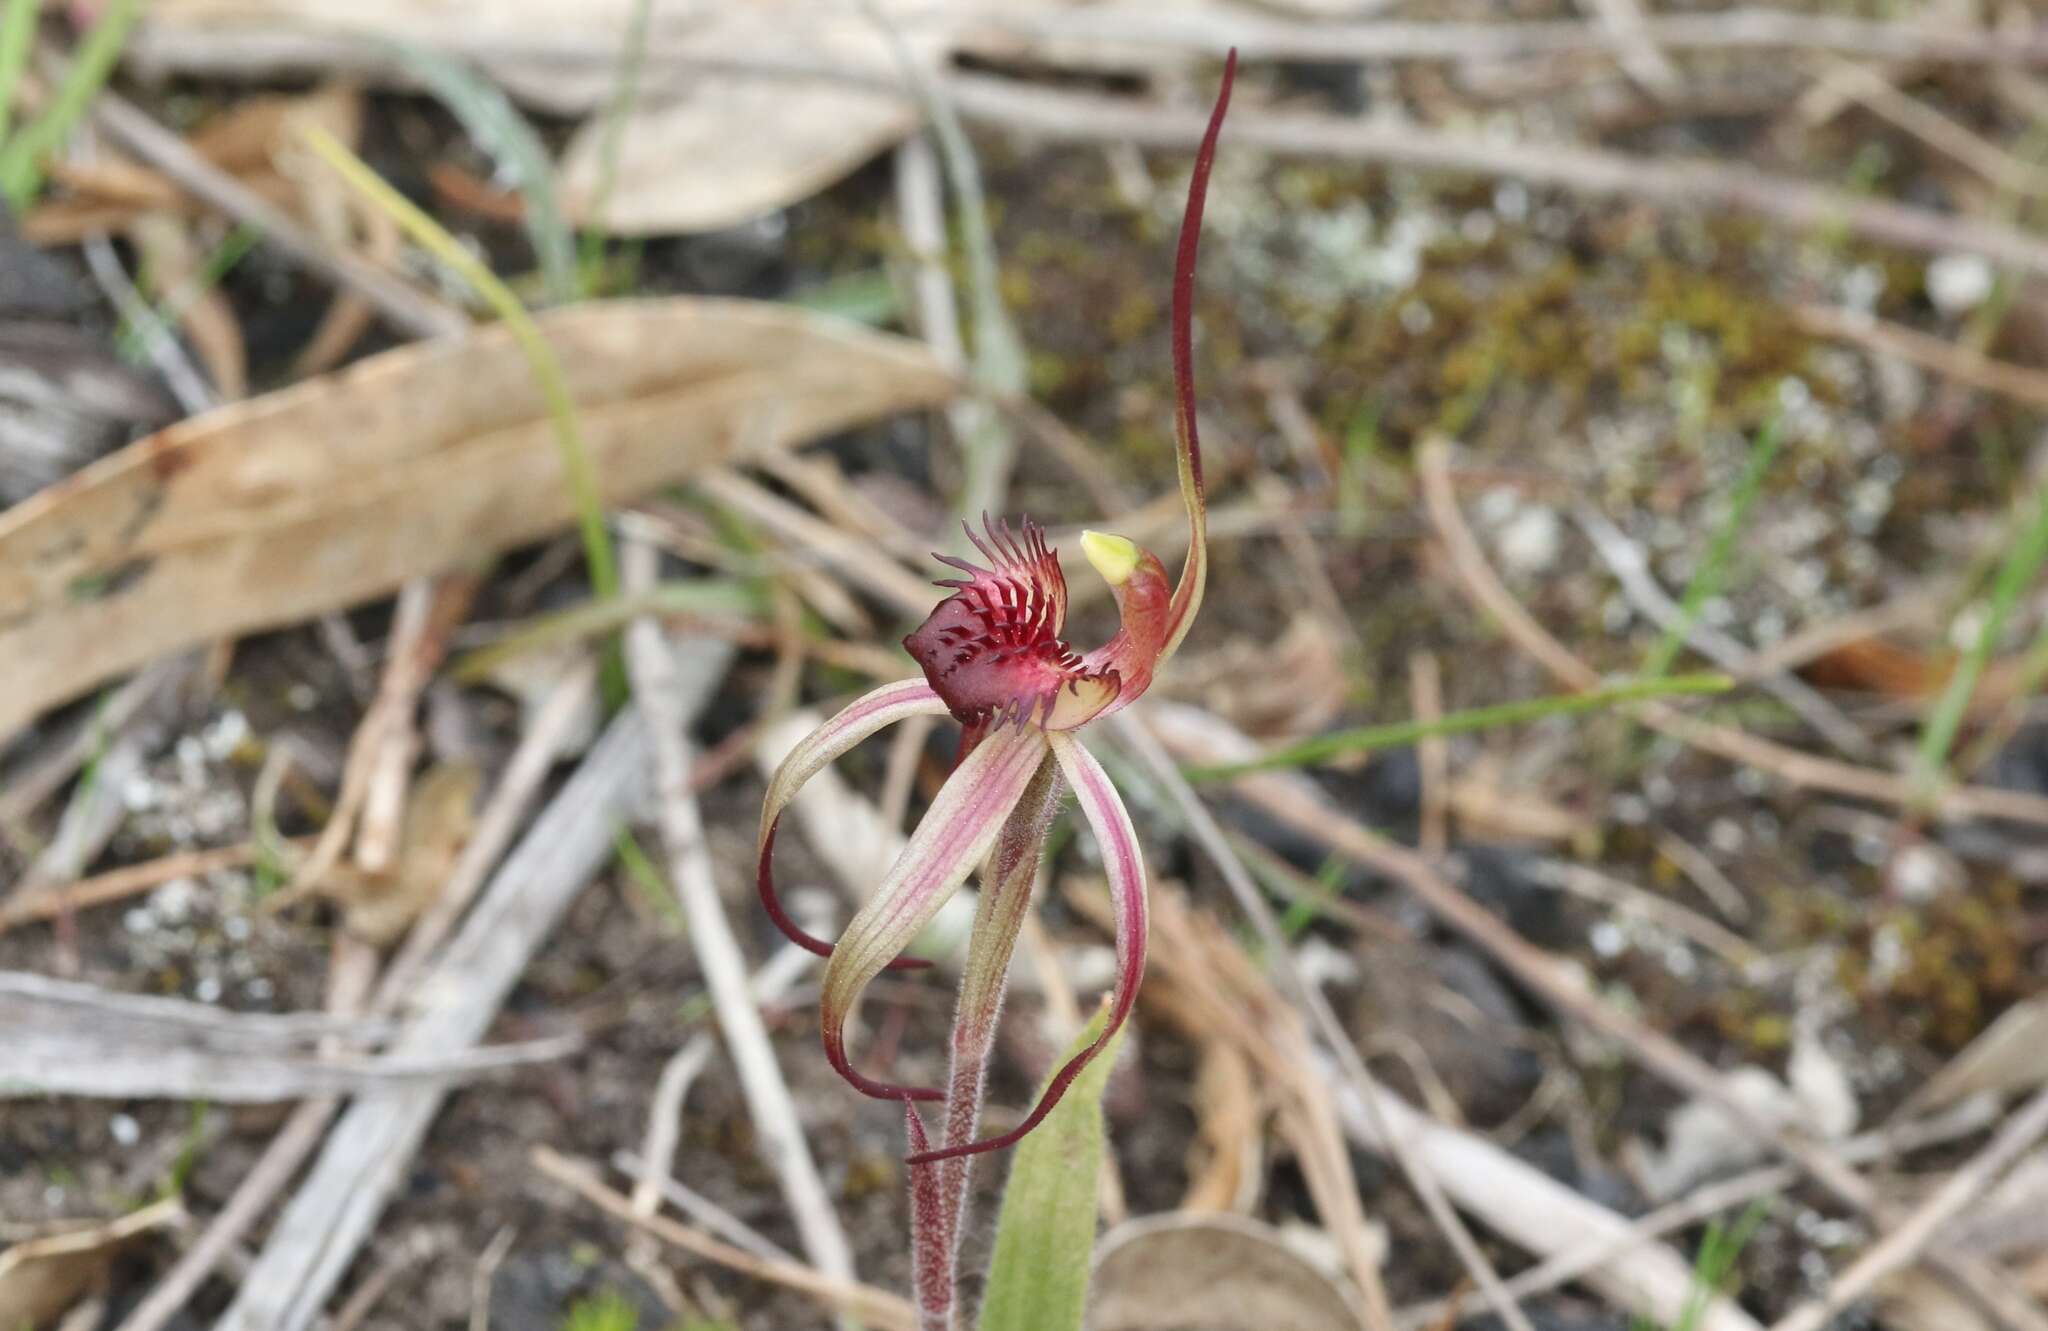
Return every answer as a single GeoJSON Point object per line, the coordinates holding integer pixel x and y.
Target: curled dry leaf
{"type": "Point", "coordinates": [378, 907]}
{"type": "Point", "coordinates": [42, 1277]}
{"type": "Point", "coordinates": [1212, 1273]}
{"type": "Point", "coordinates": [424, 458]}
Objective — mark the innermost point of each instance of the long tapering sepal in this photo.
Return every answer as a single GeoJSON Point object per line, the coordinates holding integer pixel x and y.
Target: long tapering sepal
{"type": "Point", "coordinates": [1194, 575]}
{"type": "Point", "coordinates": [1118, 840]}
{"type": "Point", "coordinates": [855, 722]}
{"type": "Point", "coordinates": [956, 832]}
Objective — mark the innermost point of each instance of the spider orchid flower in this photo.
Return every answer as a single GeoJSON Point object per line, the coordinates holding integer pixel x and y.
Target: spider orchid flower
{"type": "Point", "coordinates": [994, 659]}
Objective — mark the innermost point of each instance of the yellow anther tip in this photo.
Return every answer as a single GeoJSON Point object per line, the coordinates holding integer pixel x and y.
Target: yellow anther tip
{"type": "Point", "coordinates": [1114, 557]}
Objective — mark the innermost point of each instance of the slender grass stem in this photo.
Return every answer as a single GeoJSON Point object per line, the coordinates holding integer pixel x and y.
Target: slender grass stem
{"type": "Point", "coordinates": [547, 369]}
{"type": "Point", "coordinates": [1707, 580]}
{"type": "Point", "coordinates": [1365, 739]}
{"type": "Point", "coordinates": [2023, 561]}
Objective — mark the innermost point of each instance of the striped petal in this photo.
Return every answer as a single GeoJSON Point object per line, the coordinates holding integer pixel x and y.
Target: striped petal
{"type": "Point", "coordinates": [858, 720]}
{"type": "Point", "coordinates": [1118, 841]}
{"type": "Point", "coordinates": [957, 831]}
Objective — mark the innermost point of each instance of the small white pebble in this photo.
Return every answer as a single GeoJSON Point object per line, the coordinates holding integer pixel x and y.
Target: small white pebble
{"type": "Point", "coordinates": [1726, 836]}
{"type": "Point", "coordinates": [139, 920]}
{"type": "Point", "coordinates": [302, 697]}
{"type": "Point", "coordinates": [207, 990]}
{"type": "Point", "coordinates": [1511, 200]}
{"type": "Point", "coordinates": [1959, 283]}
{"type": "Point", "coordinates": [1922, 873]}
{"type": "Point", "coordinates": [1607, 939]}
{"type": "Point", "coordinates": [1964, 629]}
{"type": "Point", "coordinates": [236, 927]}
{"type": "Point", "coordinates": [124, 1130]}
{"type": "Point", "coordinates": [226, 734]}
{"type": "Point", "coordinates": [259, 990]}
{"type": "Point", "coordinates": [173, 902]}
{"type": "Point", "coordinates": [1862, 286]}
{"type": "Point", "coordinates": [1531, 540]}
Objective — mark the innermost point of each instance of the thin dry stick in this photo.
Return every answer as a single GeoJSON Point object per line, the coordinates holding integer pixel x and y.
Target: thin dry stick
{"type": "Point", "coordinates": [1433, 753]}
{"type": "Point", "coordinates": [721, 1222]}
{"type": "Point", "coordinates": [1630, 566]}
{"type": "Point", "coordinates": [1311, 1000]}
{"type": "Point", "coordinates": [2021, 383]}
{"type": "Point", "coordinates": [1626, 898]}
{"type": "Point", "coordinates": [1296, 802]}
{"type": "Point", "coordinates": [38, 780]}
{"type": "Point", "coordinates": [1704, 874]}
{"type": "Point", "coordinates": [1876, 94]}
{"type": "Point", "coordinates": [1907, 1240]}
{"type": "Point", "coordinates": [1665, 183]}
{"type": "Point", "coordinates": [651, 665]}
{"type": "Point", "coordinates": [502, 819]}
{"type": "Point", "coordinates": [1484, 588]}
{"type": "Point", "coordinates": [348, 981]}
{"type": "Point", "coordinates": [1634, 48]}
{"type": "Point", "coordinates": [303, 1131]}
{"type": "Point", "coordinates": [1261, 37]}
{"type": "Point", "coordinates": [658, 1150]}
{"type": "Point", "coordinates": [1743, 1188]}
{"type": "Point", "coordinates": [651, 1170]}
{"type": "Point", "coordinates": [486, 1274]}
{"type": "Point", "coordinates": [130, 880]}
{"type": "Point", "coordinates": [877, 1308]}
{"type": "Point", "coordinates": [408, 310]}
{"type": "Point", "coordinates": [873, 571]}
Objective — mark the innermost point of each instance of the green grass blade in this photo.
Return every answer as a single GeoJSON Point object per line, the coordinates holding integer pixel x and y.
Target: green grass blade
{"type": "Point", "coordinates": [497, 127]}
{"type": "Point", "coordinates": [21, 159]}
{"type": "Point", "coordinates": [547, 370]}
{"type": "Point", "coordinates": [1707, 579]}
{"type": "Point", "coordinates": [1038, 1278]}
{"type": "Point", "coordinates": [1365, 739]}
{"type": "Point", "coordinates": [17, 34]}
{"type": "Point", "coordinates": [2023, 561]}
{"type": "Point", "coordinates": [625, 93]}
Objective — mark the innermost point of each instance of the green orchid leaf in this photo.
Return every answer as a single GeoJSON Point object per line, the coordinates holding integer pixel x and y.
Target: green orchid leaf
{"type": "Point", "coordinates": [1038, 1280]}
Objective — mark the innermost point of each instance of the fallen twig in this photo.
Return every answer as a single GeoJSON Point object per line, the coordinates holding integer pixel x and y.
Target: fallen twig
{"type": "Point", "coordinates": [1625, 559]}
{"type": "Point", "coordinates": [875, 1307]}
{"type": "Point", "coordinates": [652, 665]}
{"type": "Point", "coordinates": [407, 309]}
{"type": "Point", "coordinates": [1483, 587]}
{"type": "Point", "coordinates": [1911, 1236]}
{"type": "Point", "coordinates": [316, 1238]}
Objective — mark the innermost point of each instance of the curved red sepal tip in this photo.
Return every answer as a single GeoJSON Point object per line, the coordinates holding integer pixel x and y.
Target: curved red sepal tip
{"type": "Point", "coordinates": [764, 882]}
{"type": "Point", "coordinates": [1183, 332]}
{"type": "Point", "coordinates": [835, 1053]}
{"type": "Point", "coordinates": [1054, 1090]}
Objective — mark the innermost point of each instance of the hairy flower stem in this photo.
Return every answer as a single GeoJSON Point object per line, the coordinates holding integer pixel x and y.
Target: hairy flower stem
{"type": "Point", "coordinates": [931, 1245]}
{"type": "Point", "coordinates": [939, 1190]}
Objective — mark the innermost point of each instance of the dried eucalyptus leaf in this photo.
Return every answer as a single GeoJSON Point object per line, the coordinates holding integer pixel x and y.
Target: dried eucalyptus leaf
{"type": "Point", "coordinates": [425, 458]}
